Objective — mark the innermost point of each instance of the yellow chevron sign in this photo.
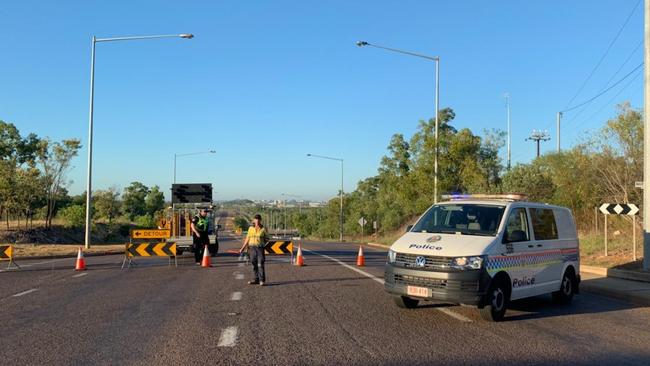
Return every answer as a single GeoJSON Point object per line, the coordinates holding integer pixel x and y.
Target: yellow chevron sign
{"type": "Point", "coordinates": [150, 234]}
{"type": "Point", "coordinates": [6, 252]}
{"type": "Point", "coordinates": [279, 247]}
{"type": "Point", "coordinates": [161, 249]}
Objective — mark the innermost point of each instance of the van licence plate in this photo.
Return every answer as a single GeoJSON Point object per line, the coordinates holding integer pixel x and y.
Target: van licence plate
{"type": "Point", "coordinates": [417, 291]}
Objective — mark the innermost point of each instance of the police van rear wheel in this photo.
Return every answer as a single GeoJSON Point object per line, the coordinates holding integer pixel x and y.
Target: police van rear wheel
{"type": "Point", "coordinates": [406, 302]}
{"type": "Point", "coordinates": [495, 303]}
{"type": "Point", "coordinates": [567, 289]}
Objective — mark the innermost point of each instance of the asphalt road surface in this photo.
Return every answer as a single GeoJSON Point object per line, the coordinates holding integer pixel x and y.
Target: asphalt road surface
{"type": "Point", "coordinates": [328, 312]}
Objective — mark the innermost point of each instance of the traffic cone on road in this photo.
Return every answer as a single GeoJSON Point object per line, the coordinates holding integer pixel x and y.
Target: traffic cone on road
{"type": "Point", "coordinates": [81, 263]}
{"type": "Point", "coordinates": [300, 261]}
{"type": "Point", "coordinates": [361, 260]}
{"type": "Point", "coordinates": [205, 263]}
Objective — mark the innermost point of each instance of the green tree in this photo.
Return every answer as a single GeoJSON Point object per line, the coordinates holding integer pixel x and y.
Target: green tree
{"type": "Point", "coordinates": [133, 200]}
{"type": "Point", "coordinates": [107, 204]}
{"type": "Point", "coordinates": [55, 159]}
{"type": "Point", "coordinates": [154, 201]}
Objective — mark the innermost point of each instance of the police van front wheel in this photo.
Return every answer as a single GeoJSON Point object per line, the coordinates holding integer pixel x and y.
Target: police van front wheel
{"type": "Point", "coordinates": [406, 302]}
{"type": "Point", "coordinates": [495, 303]}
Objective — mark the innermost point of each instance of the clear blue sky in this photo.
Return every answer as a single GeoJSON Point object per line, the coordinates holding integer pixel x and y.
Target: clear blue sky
{"type": "Point", "coordinates": [265, 82]}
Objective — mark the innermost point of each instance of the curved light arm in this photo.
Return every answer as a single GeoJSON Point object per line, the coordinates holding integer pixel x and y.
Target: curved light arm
{"type": "Point", "coordinates": [133, 38]}
{"type": "Point", "coordinates": [432, 58]}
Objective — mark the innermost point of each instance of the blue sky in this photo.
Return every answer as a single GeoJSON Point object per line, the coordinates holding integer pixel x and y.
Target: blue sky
{"type": "Point", "coordinates": [265, 82]}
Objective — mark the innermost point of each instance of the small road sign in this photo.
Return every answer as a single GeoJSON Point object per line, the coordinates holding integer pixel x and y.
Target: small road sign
{"type": "Point", "coordinates": [638, 185]}
{"type": "Point", "coordinates": [628, 209]}
{"type": "Point", "coordinates": [278, 247]}
{"type": "Point", "coordinates": [362, 222]}
{"type": "Point", "coordinates": [150, 234]}
{"type": "Point", "coordinates": [151, 249]}
{"type": "Point", "coordinates": [6, 251]}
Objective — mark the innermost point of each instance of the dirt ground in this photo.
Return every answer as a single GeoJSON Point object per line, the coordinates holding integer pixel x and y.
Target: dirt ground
{"type": "Point", "coordinates": [30, 250]}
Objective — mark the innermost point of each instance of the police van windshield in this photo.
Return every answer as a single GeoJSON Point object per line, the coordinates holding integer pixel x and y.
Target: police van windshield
{"type": "Point", "coordinates": [467, 219]}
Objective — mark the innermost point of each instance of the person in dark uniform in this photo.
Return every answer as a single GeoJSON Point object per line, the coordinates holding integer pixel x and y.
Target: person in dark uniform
{"type": "Point", "coordinates": [255, 241]}
{"type": "Point", "coordinates": [200, 236]}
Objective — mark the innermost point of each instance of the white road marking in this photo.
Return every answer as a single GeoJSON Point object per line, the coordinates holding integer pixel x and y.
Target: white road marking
{"type": "Point", "coordinates": [454, 314]}
{"type": "Point", "coordinates": [228, 337]}
{"type": "Point", "coordinates": [80, 274]}
{"type": "Point", "coordinates": [24, 292]}
{"type": "Point", "coordinates": [236, 296]}
{"type": "Point", "coordinates": [447, 311]}
{"type": "Point", "coordinates": [239, 276]}
{"type": "Point", "coordinates": [241, 264]}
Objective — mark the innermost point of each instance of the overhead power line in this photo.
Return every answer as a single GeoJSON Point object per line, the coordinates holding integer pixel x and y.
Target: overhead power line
{"type": "Point", "coordinates": [604, 90]}
{"type": "Point", "coordinates": [611, 44]}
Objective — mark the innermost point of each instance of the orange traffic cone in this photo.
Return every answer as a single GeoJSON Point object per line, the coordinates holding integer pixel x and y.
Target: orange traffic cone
{"type": "Point", "coordinates": [81, 263]}
{"type": "Point", "coordinates": [205, 263]}
{"type": "Point", "coordinates": [361, 260]}
{"type": "Point", "coordinates": [300, 261]}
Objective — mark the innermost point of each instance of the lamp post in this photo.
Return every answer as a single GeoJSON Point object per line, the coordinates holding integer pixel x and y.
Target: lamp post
{"type": "Point", "coordinates": [90, 115]}
{"type": "Point", "coordinates": [188, 154]}
{"type": "Point", "coordinates": [436, 59]}
{"type": "Point", "coordinates": [341, 193]}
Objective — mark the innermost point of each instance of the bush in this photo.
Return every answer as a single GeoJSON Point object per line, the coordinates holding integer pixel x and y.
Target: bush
{"type": "Point", "coordinates": [73, 216]}
{"type": "Point", "coordinates": [145, 221]}
{"type": "Point", "coordinates": [241, 223]}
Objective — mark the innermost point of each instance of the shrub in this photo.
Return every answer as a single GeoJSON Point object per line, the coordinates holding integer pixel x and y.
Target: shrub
{"type": "Point", "coordinates": [145, 221]}
{"type": "Point", "coordinates": [73, 216]}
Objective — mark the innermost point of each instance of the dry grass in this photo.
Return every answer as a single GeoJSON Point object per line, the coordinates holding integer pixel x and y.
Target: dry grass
{"type": "Point", "coordinates": [31, 250]}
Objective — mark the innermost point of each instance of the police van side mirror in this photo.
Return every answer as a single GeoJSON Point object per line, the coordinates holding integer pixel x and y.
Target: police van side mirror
{"type": "Point", "coordinates": [408, 228]}
{"type": "Point", "coordinates": [515, 236]}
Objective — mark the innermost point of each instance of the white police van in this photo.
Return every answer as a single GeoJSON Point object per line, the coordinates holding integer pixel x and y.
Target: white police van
{"type": "Point", "coordinates": [485, 250]}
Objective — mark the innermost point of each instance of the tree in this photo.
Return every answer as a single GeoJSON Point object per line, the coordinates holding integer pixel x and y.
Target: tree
{"type": "Point", "coordinates": [154, 201]}
{"type": "Point", "coordinates": [107, 203]}
{"type": "Point", "coordinates": [531, 180]}
{"type": "Point", "coordinates": [133, 200]}
{"type": "Point", "coordinates": [73, 216]}
{"type": "Point", "coordinates": [55, 158]}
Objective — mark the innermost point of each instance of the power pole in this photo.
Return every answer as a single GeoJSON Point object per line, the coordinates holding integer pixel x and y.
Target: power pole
{"type": "Point", "coordinates": [538, 136]}
{"type": "Point", "coordinates": [559, 119]}
{"type": "Point", "coordinates": [507, 96]}
{"type": "Point", "coordinates": [646, 139]}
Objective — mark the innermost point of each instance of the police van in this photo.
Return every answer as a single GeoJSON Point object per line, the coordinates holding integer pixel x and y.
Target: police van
{"type": "Point", "coordinates": [485, 251]}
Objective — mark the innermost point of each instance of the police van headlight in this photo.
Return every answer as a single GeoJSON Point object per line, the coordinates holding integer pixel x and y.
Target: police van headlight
{"type": "Point", "coordinates": [391, 256]}
{"type": "Point", "coordinates": [467, 263]}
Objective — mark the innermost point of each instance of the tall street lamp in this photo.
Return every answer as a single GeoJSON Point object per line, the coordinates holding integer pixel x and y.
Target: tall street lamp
{"type": "Point", "coordinates": [341, 193]}
{"type": "Point", "coordinates": [189, 154]}
{"type": "Point", "coordinates": [437, 102]}
{"type": "Point", "coordinates": [90, 115]}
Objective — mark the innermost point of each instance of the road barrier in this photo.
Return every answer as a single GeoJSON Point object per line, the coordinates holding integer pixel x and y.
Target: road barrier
{"type": "Point", "coordinates": [279, 247]}
{"type": "Point", "coordinates": [160, 249]}
{"type": "Point", "coordinates": [7, 253]}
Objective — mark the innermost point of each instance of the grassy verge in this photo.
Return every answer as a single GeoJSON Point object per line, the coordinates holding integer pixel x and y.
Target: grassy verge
{"type": "Point", "coordinates": [32, 250]}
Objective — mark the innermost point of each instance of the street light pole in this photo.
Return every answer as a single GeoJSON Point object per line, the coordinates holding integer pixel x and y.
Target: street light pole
{"type": "Point", "coordinates": [436, 59]}
{"type": "Point", "coordinates": [90, 118]}
{"type": "Point", "coordinates": [341, 192]}
{"type": "Point", "coordinates": [646, 139]}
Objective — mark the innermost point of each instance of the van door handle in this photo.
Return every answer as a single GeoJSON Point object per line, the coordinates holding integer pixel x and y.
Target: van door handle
{"type": "Point", "coordinates": [539, 245]}
{"type": "Point", "coordinates": [530, 245]}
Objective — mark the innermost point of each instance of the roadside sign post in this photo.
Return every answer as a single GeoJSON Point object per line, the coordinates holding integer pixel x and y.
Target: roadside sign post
{"type": "Point", "coordinates": [628, 209]}
{"type": "Point", "coordinates": [161, 248]}
{"type": "Point", "coordinates": [362, 222]}
{"type": "Point", "coordinates": [7, 253]}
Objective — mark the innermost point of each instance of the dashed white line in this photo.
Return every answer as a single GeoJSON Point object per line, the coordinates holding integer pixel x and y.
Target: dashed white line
{"type": "Point", "coordinates": [446, 311]}
{"type": "Point", "coordinates": [228, 337]}
{"type": "Point", "coordinates": [239, 276]}
{"type": "Point", "coordinates": [236, 296]}
{"type": "Point", "coordinates": [24, 292]}
{"type": "Point", "coordinates": [80, 274]}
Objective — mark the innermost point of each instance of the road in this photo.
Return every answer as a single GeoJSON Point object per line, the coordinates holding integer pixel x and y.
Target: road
{"type": "Point", "coordinates": [328, 312]}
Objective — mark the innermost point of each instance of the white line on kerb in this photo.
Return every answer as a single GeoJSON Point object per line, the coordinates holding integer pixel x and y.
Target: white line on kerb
{"type": "Point", "coordinates": [447, 311]}
{"type": "Point", "coordinates": [80, 274]}
{"type": "Point", "coordinates": [239, 276]}
{"type": "Point", "coordinates": [24, 292]}
{"type": "Point", "coordinates": [228, 337]}
{"type": "Point", "coordinates": [236, 296]}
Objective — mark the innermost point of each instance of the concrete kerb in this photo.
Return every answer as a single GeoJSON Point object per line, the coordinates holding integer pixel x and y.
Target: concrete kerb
{"type": "Point", "coordinates": [617, 273]}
